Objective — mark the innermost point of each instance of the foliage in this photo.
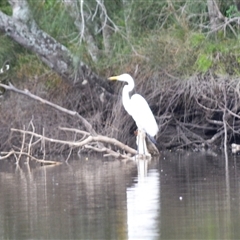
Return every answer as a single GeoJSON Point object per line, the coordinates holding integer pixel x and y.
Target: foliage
{"type": "Point", "coordinates": [52, 17]}
{"type": "Point", "coordinates": [5, 7]}
{"type": "Point", "coordinates": [160, 34]}
{"type": "Point", "coordinates": [149, 39]}
{"type": "Point", "coordinates": [173, 35]}
{"type": "Point", "coordinates": [232, 11]}
{"type": "Point", "coordinates": [204, 62]}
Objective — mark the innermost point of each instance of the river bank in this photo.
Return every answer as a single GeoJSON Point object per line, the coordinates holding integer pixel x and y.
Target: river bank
{"type": "Point", "coordinates": [194, 113]}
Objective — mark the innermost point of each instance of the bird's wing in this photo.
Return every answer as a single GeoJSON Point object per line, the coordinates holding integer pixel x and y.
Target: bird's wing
{"type": "Point", "coordinates": [143, 115]}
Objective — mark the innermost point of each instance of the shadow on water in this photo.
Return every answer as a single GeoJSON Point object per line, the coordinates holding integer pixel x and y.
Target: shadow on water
{"type": "Point", "coordinates": [178, 196]}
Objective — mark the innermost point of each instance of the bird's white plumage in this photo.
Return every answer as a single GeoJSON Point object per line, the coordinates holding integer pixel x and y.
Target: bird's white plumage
{"type": "Point", "coordinates": [137, 106]}
{"type": "Point", "coordinates": [142, 115]}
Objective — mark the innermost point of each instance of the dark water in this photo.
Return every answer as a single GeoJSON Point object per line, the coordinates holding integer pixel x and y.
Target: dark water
{"type": "Point", "coordinates": [178, 196]}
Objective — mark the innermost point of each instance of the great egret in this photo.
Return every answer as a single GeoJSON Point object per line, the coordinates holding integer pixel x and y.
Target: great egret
{"type": "Point", "coordinates": [138, 108]}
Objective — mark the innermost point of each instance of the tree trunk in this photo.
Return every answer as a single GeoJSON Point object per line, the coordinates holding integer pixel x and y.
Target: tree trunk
{"type": "Point", "coordinates": [22, 28]}
{"type": "Point", "coordinates": [79, 16]}
{"type": "Point", "coordinates": [215, 16]}
{"type": "Point", "coordinates": [106, 33]}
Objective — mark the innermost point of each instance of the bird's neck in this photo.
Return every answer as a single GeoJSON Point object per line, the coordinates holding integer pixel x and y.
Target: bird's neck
{"type": "Point", "coordinates": [125, 96]}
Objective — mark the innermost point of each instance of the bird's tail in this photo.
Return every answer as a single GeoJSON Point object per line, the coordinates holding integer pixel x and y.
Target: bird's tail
{"type": "Point", "coordinates": [152, 139]}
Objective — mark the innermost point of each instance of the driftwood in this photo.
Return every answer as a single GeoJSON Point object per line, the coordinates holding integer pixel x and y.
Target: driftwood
{"type": "Point", "coordinates": [89, 139]}
{"type": "Point", "coordinates": [18, 155]}
{"type": "Point", "coordinates": [85, 140]}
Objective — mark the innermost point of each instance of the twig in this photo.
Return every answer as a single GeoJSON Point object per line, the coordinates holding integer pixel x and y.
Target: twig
{"type": "Point", "coordinates": [224, 123]}
{"type": "Point", "coordinates": [109, 151]}
{"type": "Point", "coordinates": [189, 132]}
{"type": "Point", "coordinates": [98, 138]}
{"type": "Point", "coordinates": [30, 141]}
{"type": "Point", "coordinates": [215, 137]}
{"type": "Point", "coordinates": [8, 154]}
{"type": "Point", "coordinates": [75, 130]}
{"type": "Point", "coordinates": [71, 148]}
{"type": "Point", "coordinates": [22, 147]}
{"type": "Point", "coordinates": [87, 125]}
{"type": "Point", "coordinates": [43, 149]}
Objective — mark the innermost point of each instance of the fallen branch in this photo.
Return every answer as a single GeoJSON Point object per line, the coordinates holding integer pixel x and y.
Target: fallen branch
{"type": "Point", "coordinates": [89, 139]}
{"type": "Point", "coordinates": [109, 152]}
{"type": "Point", "coordinates": [26, 92]}
{"type": "Point", "coordinates": [42, 161]}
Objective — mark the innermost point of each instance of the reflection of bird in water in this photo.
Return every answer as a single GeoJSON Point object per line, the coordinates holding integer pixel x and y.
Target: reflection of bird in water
{"type": "Point", "coordinates": [142, 165]}
{"type": "Point", "coordinates": [138, 108]}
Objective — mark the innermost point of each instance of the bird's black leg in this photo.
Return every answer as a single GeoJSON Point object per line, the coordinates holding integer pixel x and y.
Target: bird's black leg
{"type": "Point", "coordinates": [144, 145]}
{"type": "Point", "coordinates": [141, 141]}
{"type": "Point", "coordinates": [138, 140]}
{"type": "Point", "coordinates": [142, 136]}
{"type": "Point", "coordinates": [152, 139]}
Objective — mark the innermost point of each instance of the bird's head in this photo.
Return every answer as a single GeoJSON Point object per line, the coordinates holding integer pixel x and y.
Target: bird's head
{"type": "Point", "coordinates": [123, 77]}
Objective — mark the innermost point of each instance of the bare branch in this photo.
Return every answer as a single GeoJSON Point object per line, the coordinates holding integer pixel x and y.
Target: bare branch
{"type": "Point", "coordinates": [87, 125]}
{"type": "Point", "coordinates": [89, 139]}
{"type": "Point", "coordinates": [225, 122]}
{"type": "Point", "coordinates": [8, 154]}
{"type": "Point", "coordinates": [109, 152]}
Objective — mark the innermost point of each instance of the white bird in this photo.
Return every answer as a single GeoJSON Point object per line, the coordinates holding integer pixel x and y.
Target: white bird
{"type": "Point", "coordinates": [4, 68]}
{"type": "Point", "coordinates": [138, 108]}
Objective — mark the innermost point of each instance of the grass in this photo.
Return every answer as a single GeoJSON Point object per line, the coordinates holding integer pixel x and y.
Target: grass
{"type": "Point", "coordinates": [176, 48]}
{"type": "Point", "coordinates": [177, 52]}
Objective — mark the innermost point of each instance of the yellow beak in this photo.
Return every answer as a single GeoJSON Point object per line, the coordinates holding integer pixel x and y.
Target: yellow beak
{"type": "Point", "coordinates": [113, 78]}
